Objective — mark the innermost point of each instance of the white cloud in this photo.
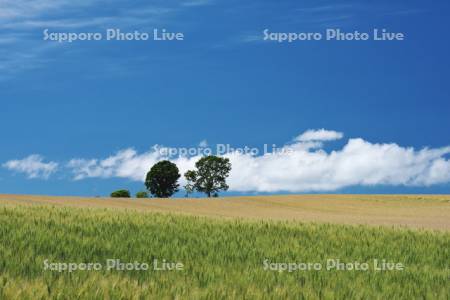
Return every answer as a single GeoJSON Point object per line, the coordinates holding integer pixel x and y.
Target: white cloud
{"type": "Point", "coordinates": [319, 135]}
{"type": "Point", "coordinates": [44, 13]}
{"type": "Point", "coordinates": [125, 164]}
{"type": "Point", "coordinates": [33, 166]}
{"type": "Point", "coordinates": [203, 144]}
{"type": "Point", "coordinates": [10, 9]}
{"type": "Point", "coordinates": [196, 2]}
{"type": "Point", "coordinates": [325, 8]}
{"type": "Point", "coordinates": [304, 166]}
{"type": "Point", "coordinates": [23, 19]}
{"type": "Point", "coordinates": [358, 163]}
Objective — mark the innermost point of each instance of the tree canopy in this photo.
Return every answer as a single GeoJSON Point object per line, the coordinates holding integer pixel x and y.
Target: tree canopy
{"type": "Point", "coordinates": [210, 176]}
{"type": "Point", "coordinates": [162, 179]}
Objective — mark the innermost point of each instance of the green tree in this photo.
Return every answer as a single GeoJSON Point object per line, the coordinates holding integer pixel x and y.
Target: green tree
{"type": "Point", "coordinates": [191, 178]}
{"type": "Point", "coordinates": [210, 176]}
{"type": "Point", "coordinates": [162, 179]}
{"type": "Point", "coordinates": [142, 194]}
{"type": "Point", "coordinates": [121, 194]}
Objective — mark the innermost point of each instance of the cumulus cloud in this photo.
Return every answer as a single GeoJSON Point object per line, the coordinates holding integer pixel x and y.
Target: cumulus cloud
{"type": "Point", "coordinates": [302, 166]}
{"type": "Point", "coordinates": [358, 163]}
{"type": "Point", "coordinates": [33, 166]}
{"type": "Point", "coordinates": [126, 163]}
{"type": "Point", "coordinates": [319, 135]}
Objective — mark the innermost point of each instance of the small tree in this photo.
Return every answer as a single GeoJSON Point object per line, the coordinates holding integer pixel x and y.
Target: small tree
{"type": "Point", "coordinates": [121, 194]}
{"type": "Point", "coordinates": [210, 176]}
{"type": "Point", "coordinates": [191, 178]}
{"type": "Point", "coordinates": [142, 194]}
{"type": "Point", "coordinates": [162, 179]}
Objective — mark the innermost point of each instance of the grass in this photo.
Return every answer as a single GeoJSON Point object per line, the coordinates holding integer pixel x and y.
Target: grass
{"type": "Point", "coordinates": [222, 258]}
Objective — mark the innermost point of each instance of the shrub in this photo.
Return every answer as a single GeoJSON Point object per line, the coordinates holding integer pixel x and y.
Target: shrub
{"type": "Point", "coordinates": [141, 195]}
{"type": "Point", "coordinates": [121, 194]}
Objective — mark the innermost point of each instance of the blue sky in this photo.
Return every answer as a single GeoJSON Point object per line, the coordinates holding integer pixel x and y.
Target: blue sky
{"type": "Point", "coordinates": [88, 101]}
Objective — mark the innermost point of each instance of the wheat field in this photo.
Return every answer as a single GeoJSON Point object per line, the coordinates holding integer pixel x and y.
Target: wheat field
{"type": "Point", "coordinates": [413, 211]}
{"type": "Point", "coordinates": [222, 259]}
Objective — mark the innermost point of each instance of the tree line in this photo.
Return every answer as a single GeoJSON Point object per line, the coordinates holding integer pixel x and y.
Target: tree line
{"type": "Point", "coordinates": [208, 177]}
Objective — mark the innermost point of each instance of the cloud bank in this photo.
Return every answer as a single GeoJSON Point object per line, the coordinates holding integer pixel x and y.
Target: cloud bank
{"type": "Point", "coordinates": [301, 166]}
{"type": "Point", "coordinates": [304, 166]}
{"type": "Point", "coordinates": [358, 163]}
